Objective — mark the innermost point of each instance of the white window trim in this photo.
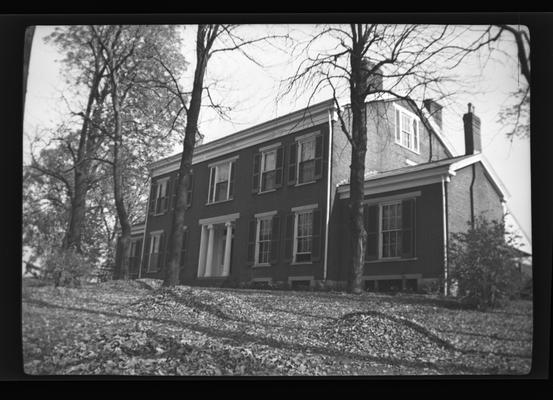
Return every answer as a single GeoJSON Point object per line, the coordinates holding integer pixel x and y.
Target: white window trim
{"type": "Point", "coordinates": [305, 208]}
{"type": "Point", "coordinates": [396, 197]}
{"type": "Point", "coordinates": [226, 160]}
{"type": "Point", "coordinates": [212, 182]}
{"type": "Point", "coordinates": [153, 234]}
{"type": "Point", "coordinates": [418, 134]}
{"type": "Point", "coordinates": [159, 183]}
{"type": "Point", "coordinates": [219, 220]}
{"type": "Point", "coordinates": [266, 214]}
{"type": "Point", "coordinates": [270, 147]}
{"type": "Point", "coordinates": [297, 211]}
{"type": "Point", "coordinates": [380, 233]}
{"type": "Point", "coordinates": [257, 230]}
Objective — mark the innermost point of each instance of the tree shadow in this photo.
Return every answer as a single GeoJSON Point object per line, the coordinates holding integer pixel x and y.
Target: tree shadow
{"type": "Point", "coordinates": [247, 338]}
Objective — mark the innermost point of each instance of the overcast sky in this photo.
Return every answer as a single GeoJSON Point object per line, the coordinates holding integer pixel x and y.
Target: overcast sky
{"type": "Point", "coordinates": [252, 90]}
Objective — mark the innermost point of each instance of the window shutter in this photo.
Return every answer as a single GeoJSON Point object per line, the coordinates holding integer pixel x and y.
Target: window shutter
{"type": "Point", "coordinates": [153, 193]}
{"type": "Point", "coordinates": [398, 126]}
{"type": "Point", "coordinates": [161, 257]}
{"type": "Point", "coordinates": [408, 222]}
{"type": "Point", "coordinates": [316, 238]}
{"type": "Point", "coordinates": [319, 157]}
{"type": "Point", "coordinates": [190, 190]}
{"type": "Point", "coordinates": [173, 193]}
{"type": "Point", "coordinates": [289, 237]}
{"type": "Point", "coordinates": [146, 259]}
{"type": "Point", "coordinates": [231, 180]}
{"type": "Point", "coordinates": [256, 171]}
{"type": "Point", "coordinates": [211, 184]}
{"type": "Point", "coordinates": [275, 239]}
{"type": "Point", "coordinates": [183, 248]}
{"type": "Point", "coordinates": [279, 167]}
{"type": "Point", "coordinates": [251, 241]}
{"type": "Point", "coordinates": [371, 227]}
{"type": "Point", "coordinates": [292, 164]}
{"type": "Point", "coordinates": [169, 194]}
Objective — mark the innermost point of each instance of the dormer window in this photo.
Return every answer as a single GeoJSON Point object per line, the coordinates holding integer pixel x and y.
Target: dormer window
{"type": "Point", "coordinates": [407, 129]}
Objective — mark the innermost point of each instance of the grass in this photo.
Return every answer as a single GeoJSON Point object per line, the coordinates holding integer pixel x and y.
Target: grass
{"type": "Point", "coordinates": [139, 328]}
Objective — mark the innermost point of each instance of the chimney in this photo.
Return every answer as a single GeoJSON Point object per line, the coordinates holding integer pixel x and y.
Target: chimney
{"type": "Point", "coordinates": [374, 81]}
{"type": "Point", "coordinates": [473, 142]}
{"type": "Point", "coordinates": [435, 110]}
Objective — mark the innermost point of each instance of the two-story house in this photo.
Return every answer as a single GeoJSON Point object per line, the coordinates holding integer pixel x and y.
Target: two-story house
{"type": "Point", "coordinates": [270, 203]}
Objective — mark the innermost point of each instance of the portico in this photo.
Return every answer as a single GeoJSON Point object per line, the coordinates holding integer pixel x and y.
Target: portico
{"type": "Point", "coordinates": [216, 245]}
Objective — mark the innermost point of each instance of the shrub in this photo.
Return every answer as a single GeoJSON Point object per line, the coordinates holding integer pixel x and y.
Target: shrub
{"type": "Point", "coordinates": [482, 264]}
{"type": "Point", "coordinates": [66, 267]}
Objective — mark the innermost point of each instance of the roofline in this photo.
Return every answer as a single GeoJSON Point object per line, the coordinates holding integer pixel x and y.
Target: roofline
{"type": "Point", "coordinates": [295, 120]}
{"type": "Point", "coordinates": [433, 174]}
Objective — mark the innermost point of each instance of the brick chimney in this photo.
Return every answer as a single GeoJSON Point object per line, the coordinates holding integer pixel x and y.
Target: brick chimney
{"type": "Point", "coordinates": [473, 142]}
{"type": "Point", "coordinates": [375, 80]}
{"type": "Point", "coordinates": [435, 110]}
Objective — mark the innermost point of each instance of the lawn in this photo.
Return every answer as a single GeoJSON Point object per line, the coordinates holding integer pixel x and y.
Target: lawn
{"type": "Point", "coordinates": [139, 328]}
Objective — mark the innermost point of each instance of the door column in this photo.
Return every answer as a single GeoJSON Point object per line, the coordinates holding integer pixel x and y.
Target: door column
{"type": "Point", "coordinates": [228, 242]}
{"type": "Point", "coordinates": [203, 248]}
{"type": "Point", "coordinates": [209, 257]}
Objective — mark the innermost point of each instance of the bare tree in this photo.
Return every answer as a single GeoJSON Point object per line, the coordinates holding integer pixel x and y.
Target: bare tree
{"type": "Point", "coordinates": [411, 60]}
{"type": "Point", "coordinates": [210, 39]}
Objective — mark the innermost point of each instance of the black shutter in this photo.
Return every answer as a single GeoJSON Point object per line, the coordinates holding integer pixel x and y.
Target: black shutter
{"type": "Point", "coordinates": [146, 259]}
{"type": "Point", "coordinates": [169, 194]}
{"type": "Point", "coordinates": [292, 164]}
{"type": "Point", "coordinates": [211, 184]}
{"type": "Point", "coordinates": [183, 248]}
{"type": "Point", "coordinates": [275, 239]}
{"type": "Point", "coordinates": [255, 172]}
{"type": "Point", "coordinates": [161, 257]}
{"type": "Point", "coordinates": [371, 227]}
{"type": "Point", "coordinates": [190, 190]}
{"type": "Point", "coordinates": [251, 241]}
{"type": "Point", "coordinates": [279, 167]}
{"type": "Point", "coordinates": [173, 193]}
{"type": "Point", "coordinates": [408, 222]}
{"type": "Point", "coordinates": [231, 180]}
{"type": "Point", "coordinates": [316, 238]}
{"type": "Point", "coordinates": [289, 237]}
{"type": "Point", "coordinates": [153, 192]}
{"type": "Point", "coordinates": [319, 157]}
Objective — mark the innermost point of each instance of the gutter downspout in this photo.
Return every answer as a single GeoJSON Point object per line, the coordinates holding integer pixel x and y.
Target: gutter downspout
{"type": "Point", "coordinates": [328, 188]}
{"type": "Point", "coordinates": [444, 228]}
{"type": "Point", "coordinates": [145, 228]}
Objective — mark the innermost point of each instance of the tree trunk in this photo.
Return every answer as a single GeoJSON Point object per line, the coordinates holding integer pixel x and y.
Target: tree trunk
{"type": "Point", "coordinates": [81, 169]}
{"type": "Point", "coordinates": [358, 86]}
{"type": "Point", "coordinates": [172, 269]}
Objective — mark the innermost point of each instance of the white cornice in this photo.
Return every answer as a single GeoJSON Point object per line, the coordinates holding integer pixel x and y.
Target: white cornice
{"type": "Point", "coordinates": [278, 127]}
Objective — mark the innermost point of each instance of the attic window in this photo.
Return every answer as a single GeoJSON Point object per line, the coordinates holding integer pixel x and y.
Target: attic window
{"type": "Point", "coordinates": [407, 129]}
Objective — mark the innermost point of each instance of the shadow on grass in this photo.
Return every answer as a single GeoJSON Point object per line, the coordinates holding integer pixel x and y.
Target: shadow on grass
{"type": "Point", "coordinates": [246, 338]}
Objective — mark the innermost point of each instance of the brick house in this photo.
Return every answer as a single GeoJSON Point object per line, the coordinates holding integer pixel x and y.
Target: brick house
{"type": "Point", "coordinates": [269, 203]}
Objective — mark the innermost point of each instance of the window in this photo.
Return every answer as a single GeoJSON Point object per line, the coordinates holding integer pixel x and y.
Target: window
{"type": "Point", "coordinates": [407, 130]}
{"type": "Point", "coordinates": [155, 255]}
{"type": "Point", "coordinates": [305, 160]}
{"type": "Point", "coordinates": [303, 235]}
{"type": "Point", "coordinates": [159, 199]}
{"type": "Point", "coordinates": [390, 230]}
{"type": "Point", "coordinates": [134, 258]}
{"type": "Point", "coordinates": [264, 239]}
{"type": "Point", "coordinates": [221, 182]}
{"type": "Point", "coordinates": [264, 227]}
{"type": "Point", "coordinates": [267, 169]}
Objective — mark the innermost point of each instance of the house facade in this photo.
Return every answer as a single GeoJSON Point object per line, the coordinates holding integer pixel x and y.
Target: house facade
{"type": "Point", "coordinates": [270, 203]}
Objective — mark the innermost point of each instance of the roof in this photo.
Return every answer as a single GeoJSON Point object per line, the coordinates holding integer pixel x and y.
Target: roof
{"type": "Point", "coordinates": [429, 172]}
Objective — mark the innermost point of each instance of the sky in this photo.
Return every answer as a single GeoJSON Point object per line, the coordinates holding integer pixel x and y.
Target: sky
{"type": "Point", "coordinates": [251, 90]}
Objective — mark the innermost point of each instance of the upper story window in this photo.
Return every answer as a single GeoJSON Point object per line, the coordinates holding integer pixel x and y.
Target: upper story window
{"type": "Point", "coordinates": [156, 250]}
{"type": "Point", "coordinates": [407, 129]}
{"type": "Point", "coordinates": [267, 169]}
{"type": "Point", "coordinates": [159, 200]}
{"type": "Point", "coordinates": [221, 181]}
{"type": "Point", "coordinates": [305, 160]}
